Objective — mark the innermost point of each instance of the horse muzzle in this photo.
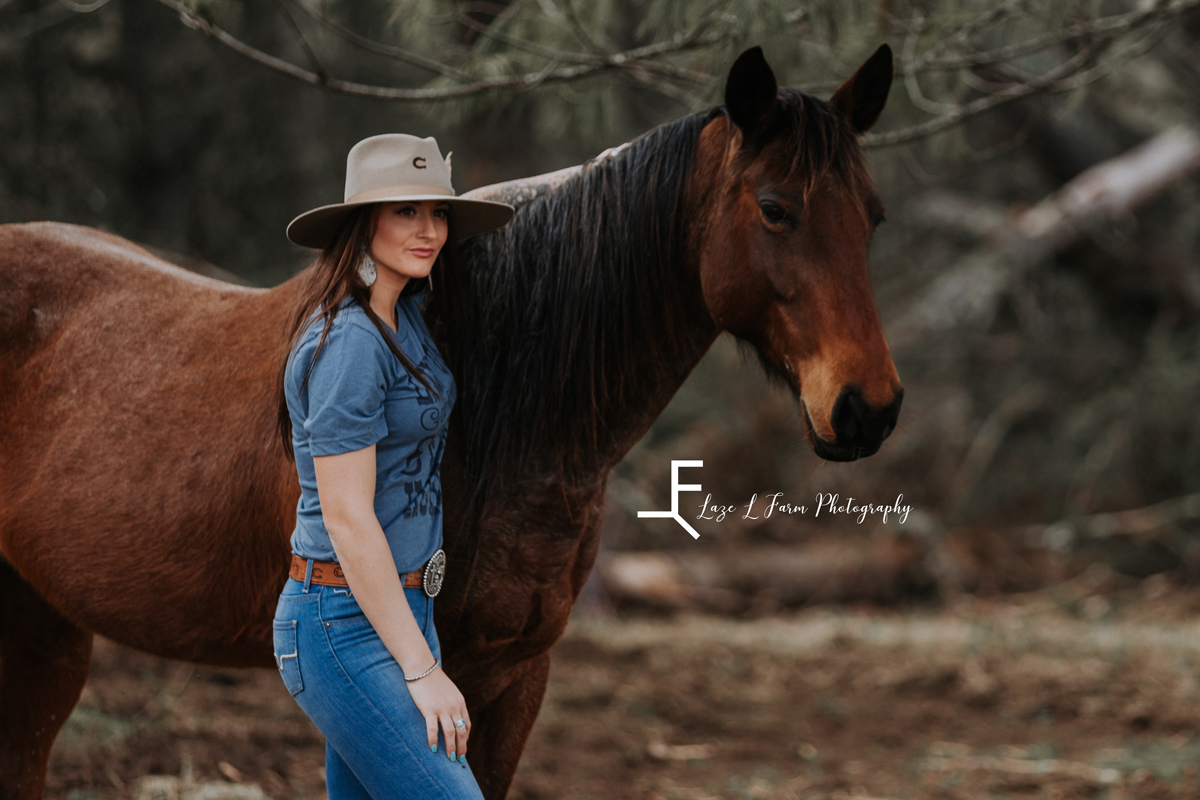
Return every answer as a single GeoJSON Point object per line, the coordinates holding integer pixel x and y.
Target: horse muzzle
{"type": "Point", "coordinates": [859, 429]}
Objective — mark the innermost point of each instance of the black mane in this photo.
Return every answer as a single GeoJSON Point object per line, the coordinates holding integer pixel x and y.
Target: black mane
{"type": "Point", "coordinates": [579, 280]}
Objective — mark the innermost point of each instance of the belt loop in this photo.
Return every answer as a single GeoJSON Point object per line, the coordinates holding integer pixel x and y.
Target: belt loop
{"type": "Point", "coordinates": [308, 567]}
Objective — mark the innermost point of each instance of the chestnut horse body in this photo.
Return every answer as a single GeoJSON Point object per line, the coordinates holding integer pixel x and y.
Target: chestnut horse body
{"type": "Point", "coordinates": [144, 494]}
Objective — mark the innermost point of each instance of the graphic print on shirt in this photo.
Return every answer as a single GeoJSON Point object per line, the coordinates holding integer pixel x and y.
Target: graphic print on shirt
{"type": "Point", "coordinates": [425, 499]}
{"type": "Point", "coordinates": [430, 416]}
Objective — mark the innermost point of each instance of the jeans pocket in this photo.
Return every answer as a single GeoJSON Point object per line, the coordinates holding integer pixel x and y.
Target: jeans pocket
{"type": "Point", "coordinates": [287, 655]}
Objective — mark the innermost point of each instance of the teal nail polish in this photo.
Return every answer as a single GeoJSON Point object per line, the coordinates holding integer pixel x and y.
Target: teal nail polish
{"type": "Point", "coordinates": [451, 755]}
{"type": "Point", "coordinates": [433, 747]}
{"type": "Point", "coordinates": [462, 759]}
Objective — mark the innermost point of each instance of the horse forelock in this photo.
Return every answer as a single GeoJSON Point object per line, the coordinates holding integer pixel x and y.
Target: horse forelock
{"type": "Point", "coordinates": [819, 142]}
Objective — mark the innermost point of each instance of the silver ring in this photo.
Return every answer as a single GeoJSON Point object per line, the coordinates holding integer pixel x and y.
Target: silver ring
{"type": "Point", "coordinates": [461, 724]}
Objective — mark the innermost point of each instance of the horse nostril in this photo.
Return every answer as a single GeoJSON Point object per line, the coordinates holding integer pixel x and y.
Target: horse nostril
{"type": "Point", "coordinates": [849, 416]}
{"type": "Point", "coordinates": [855, 424]}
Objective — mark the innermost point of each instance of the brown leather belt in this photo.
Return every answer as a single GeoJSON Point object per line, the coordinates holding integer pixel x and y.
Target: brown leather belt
{"type": "Point", "coordinates": [329, 573]}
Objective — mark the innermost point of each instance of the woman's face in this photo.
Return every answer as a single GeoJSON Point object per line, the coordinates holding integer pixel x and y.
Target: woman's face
{"type": "Point", "coordinates": [408, 237]}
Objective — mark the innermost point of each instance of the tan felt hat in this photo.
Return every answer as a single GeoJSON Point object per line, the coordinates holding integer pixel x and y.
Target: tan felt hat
{"type": "Point", "coordinates": [392, 167]}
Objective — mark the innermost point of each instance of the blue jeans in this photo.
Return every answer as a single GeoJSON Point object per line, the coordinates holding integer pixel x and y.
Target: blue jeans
{"type": "Point", "coordinates": [350, 686]}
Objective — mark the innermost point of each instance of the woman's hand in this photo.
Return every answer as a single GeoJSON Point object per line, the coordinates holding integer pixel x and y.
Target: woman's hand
{"type": "Point", "coordinates": [440, 701]}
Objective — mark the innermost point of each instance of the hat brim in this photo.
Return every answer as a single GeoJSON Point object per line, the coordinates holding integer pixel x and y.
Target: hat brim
{"type": "Point", "coordinates": [468, 217]}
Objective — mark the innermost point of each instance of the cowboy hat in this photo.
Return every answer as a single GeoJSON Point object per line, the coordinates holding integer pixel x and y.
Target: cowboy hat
{"type": "Point", "coordinates": [393, 167]}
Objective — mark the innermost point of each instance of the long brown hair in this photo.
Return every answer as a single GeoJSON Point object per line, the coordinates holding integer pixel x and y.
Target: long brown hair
{"type": "Point", "coordinates": [334, 276]}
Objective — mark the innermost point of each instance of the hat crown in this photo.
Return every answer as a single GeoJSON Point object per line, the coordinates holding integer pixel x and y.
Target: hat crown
{"type": "Point", "coordinates": [395, 160]}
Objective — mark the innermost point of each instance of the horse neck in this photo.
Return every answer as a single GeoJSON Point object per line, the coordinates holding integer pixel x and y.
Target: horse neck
{"type": "Point", "coordinates": [589, 316]}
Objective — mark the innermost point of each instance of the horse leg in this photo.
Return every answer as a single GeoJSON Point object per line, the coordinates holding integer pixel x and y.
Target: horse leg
{"type": "Point", "coordinates": [499, 731]}
{"type": "Point", "coordinates": [44, 662]}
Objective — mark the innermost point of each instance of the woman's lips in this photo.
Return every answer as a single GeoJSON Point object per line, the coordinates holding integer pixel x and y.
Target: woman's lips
{"type": "Point", "coordinates": [422, 252]}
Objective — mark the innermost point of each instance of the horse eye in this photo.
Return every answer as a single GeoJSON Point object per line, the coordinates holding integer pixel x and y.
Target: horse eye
{"type": "Point", "coordinates": [773, 212]}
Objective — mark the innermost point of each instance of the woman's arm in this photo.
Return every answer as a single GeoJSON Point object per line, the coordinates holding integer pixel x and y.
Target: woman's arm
{"type": "Point", "coordinates": [346, 488]}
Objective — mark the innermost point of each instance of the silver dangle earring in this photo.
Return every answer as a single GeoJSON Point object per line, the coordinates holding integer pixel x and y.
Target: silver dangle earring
{"type": "Point", "coordinates": [366, 267]}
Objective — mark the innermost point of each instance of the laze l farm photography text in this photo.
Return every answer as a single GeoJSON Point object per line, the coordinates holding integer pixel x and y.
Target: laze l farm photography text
{"type": "Point", "coordinates": [824, 504]}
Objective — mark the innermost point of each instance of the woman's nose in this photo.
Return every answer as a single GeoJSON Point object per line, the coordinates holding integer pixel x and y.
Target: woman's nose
{"type": "Point", "coordinates": [427, 230]}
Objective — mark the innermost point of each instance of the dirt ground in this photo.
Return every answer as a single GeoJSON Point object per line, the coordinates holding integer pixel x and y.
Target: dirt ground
{"type": "Point", "coordinates": [1062, 693]}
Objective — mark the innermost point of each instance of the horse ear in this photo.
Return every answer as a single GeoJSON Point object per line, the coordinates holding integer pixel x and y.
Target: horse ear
{"type": "Point", "coordinates": [750, 91]}
{"type": "Point", "coordinates": [862, 97]}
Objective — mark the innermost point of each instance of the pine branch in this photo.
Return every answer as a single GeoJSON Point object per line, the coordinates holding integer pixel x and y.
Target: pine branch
{"type": "Point", "coordinates": [1065, 77]}
{"type": "Point", "coordinates": [634, 61]}
{"type": "Point", "coordinates": [371, 46]}
{"type": "Point", "coordinates": [318, 70]}
{"type": "Point", "coordinates": [1108, 27]}
{"type": "Point", "coordinates": [652, 65]}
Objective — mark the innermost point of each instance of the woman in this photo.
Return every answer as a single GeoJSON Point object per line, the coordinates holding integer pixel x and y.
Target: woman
{"type": "Point", "coordinates": [365, 397]}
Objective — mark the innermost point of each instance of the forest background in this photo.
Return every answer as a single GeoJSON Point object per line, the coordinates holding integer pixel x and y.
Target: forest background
{"type": "Point", "coordinates": [1045, 384]}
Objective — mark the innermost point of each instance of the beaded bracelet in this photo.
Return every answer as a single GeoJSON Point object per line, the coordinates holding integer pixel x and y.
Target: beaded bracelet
{"type": "Point", "coordinates": [426, 672]}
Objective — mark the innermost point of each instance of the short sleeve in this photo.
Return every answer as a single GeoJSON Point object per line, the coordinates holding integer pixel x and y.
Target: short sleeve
{"type": "Point", "coordinates": [346, 391]}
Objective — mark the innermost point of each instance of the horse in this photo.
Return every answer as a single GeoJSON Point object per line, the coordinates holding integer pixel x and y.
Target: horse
{"type": "Point", "coordinates": [145, 494]}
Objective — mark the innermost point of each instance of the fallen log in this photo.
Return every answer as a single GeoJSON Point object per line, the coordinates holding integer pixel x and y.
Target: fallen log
{"type": "Point", "coordinates": [884, 568]}
{"type": "Point", "coordinates": [1015, 242]}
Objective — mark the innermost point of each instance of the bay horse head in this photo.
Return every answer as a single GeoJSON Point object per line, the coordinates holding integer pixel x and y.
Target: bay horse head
{"type": "Point", "coordinates": [789, 211]}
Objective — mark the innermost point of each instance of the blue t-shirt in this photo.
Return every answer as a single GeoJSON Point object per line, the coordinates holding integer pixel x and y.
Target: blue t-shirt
{"type": "Point", "coordinates": [359, 394]}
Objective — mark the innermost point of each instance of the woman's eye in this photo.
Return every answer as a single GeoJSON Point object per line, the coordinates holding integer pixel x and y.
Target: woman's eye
{"type": "Point", "coordinates": [442, 213]}
{"type": "Point", "coordinates": [407, 211]}
{"type": "Point", "coordinates": [773, 212]}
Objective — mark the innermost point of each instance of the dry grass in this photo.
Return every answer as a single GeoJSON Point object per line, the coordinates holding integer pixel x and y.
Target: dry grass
{"type": "Point", "coordinates": [1046, 695]}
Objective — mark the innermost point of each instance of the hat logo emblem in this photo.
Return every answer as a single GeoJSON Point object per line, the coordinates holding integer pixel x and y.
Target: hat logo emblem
{"type": "Point", "coordinates": [419, 162]}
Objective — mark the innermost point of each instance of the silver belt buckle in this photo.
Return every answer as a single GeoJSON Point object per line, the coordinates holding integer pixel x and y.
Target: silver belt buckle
{"type": "Point", "coordinates": [435, 570]}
